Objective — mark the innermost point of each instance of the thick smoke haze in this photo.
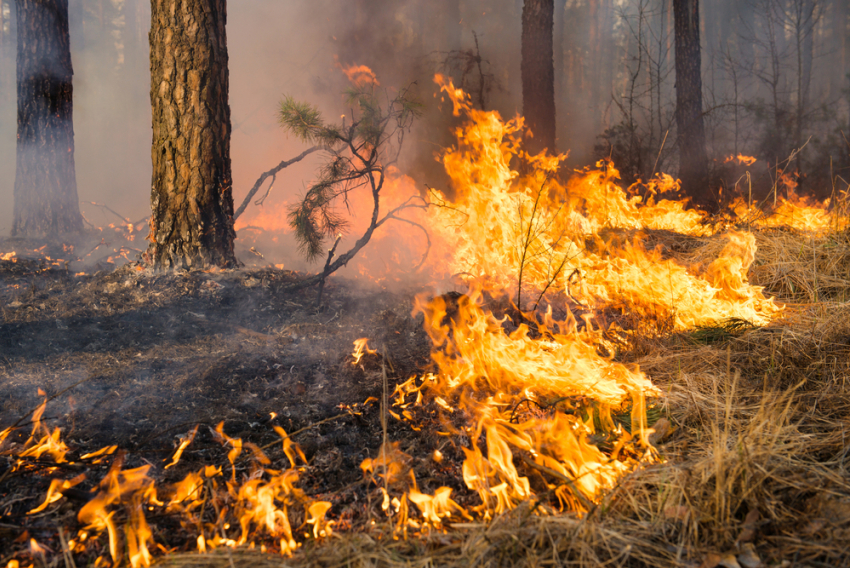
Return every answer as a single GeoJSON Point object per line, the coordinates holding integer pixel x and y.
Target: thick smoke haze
{"type": "Point", "coordinates": [614, 83]}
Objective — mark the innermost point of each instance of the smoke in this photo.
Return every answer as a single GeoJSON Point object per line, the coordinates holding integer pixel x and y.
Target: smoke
{"type": "Point", "coordinates": [298, 47]}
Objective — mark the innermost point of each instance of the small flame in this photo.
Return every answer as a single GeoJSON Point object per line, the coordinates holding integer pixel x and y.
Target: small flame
{"type": "Point", "coordinates": [741, 159]}
{"type": "Point", "coordinates": [184, 443]}
{"type": "Point", "coordinates": [360, 349]}
{"type": "Point", "coordinates": [54, 492]}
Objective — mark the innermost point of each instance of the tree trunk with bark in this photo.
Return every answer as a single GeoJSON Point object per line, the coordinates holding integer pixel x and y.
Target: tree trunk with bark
{"type": "Point", "coordinates": [46, 201]}
{"type": "Point", "coordinates": [538, 74]}
{"type": "Point", "coordinates": [191, 193]}
{"type": "Point", "coordinates": [693, 161]}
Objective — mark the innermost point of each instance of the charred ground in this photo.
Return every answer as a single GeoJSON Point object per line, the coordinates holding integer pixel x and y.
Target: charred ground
{"type": "Point", "coordinates": [137, 358]}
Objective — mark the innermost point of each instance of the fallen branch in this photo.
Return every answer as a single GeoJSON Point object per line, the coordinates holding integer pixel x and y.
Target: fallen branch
{"type": "Point", "coordinates": [272, 173]}
{"type": "Point", "coordinates": [107, 208]}
{"type": "Point", "coordinates": [586, 503]}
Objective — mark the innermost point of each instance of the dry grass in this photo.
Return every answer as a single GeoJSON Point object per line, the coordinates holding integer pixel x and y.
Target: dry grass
{"type": "Point", "coordinates": [798, 269]}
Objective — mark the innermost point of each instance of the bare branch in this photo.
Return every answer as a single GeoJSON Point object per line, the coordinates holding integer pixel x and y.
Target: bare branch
{"type": "Point", "coordinates": [271, 173]}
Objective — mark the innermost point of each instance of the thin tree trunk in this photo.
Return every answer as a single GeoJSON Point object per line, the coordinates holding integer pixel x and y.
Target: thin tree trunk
{"type": "Point", "coordinates": [46, 201]}
{"type": "Point", "coordinates": [538, 74]}
{"type": "Point", "coordinates": [191, 193]}
{"type": "Point", "coordinates": [661, 60]}
{"type": "Point", "coordinates": [558, 53]}
{"type": "Point", "coordinates": [693, 162]}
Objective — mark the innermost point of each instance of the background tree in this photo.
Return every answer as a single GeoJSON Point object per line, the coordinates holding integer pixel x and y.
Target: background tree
{"type": "Point", "coordinates": [191, 193]}
{"type": "Point", "coordinates": [538, 74]}
{"type": "Point", "coordinates": [46, 201]}
{"type": "Point", "coordinates": [693, 160]}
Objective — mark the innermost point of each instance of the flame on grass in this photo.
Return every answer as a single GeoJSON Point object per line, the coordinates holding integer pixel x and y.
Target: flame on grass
{"type": "Point", "coordinates": [506, 232]}
{"type": "Point", "coordinates": [241, 511]}
{"type": "Point", "coordinates": [795, 212]}
{"type": "Point", "coordinates": [41, 442]}
{"type": "Point", "coordinates": [361, 348]}
{"type": "Point", "coordinates": [184, 443]}
{"type": "Point", "coordinates": [131, 489]}
{"type": "Point", "coordinates": [545, 397]}
{"type": "Point", "coordinates": [497, 377]}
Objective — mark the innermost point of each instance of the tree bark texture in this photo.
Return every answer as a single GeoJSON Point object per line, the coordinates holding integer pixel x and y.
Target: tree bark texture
{"type": "Point", "coordinates": [693, 161]}
{"type": "Point", "coordinates": [538, 74]}
{"type": "Point", "coordinates": [191, 193]}
{"type": "Point", "coordinates": [45, 193]}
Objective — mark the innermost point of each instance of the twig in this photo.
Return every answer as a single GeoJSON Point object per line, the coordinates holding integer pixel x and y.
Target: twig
{"type": "Point", "coordinates": [586, 503]}
{"type": "Point", "coordinates": [42, 463]}
{"type": "Point", "coordinates": [424, 230]}
{"type": "Point", "coordinates": [655, 165]}
{"type": "Point", "coordinates": [119, 215]}
{"type": "Point", "coordinates": [66, 552]}
{"type": "Point", "coordinates": [384, 411]}
{"type": "Point", "coordinates": [551, 281]}
{"type": "Point", "coordinates": [48, 399]}
{"type": "Point", "coordinates": [325, 272]}
{"type": "Point", "coordinates": [304, 429]}
{"type": "Point", "coordinates": [527, 243]}
{"type": "Point", "coordinates": [272, 172]}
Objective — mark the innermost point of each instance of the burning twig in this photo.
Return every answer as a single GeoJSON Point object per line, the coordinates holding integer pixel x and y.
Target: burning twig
{"type": "Point", "coordinates": [46, 400]}
{"type": "Point", "coordinates": [531, 246]}
{"type": "Point", "coordinates": [586, 503]}
{"type": "Point", "coordinates": [306, 428]}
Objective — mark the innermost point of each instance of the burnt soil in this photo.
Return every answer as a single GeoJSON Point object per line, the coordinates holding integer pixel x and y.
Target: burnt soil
{"type": "Point", "coordinates": [137, 359]}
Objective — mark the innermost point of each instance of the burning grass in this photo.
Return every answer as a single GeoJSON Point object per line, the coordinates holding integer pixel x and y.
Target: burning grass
{"type": "Point", "coordinates": [623, 381]}
{"type": "Point", "coordinates": [753, 468]}
{"type": "Point", "coordinates": [753, 454]}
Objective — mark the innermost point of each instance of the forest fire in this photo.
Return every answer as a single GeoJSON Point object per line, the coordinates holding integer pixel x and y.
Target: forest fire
{"type": "Point", "coordinates": [424, 283]}
{"type": "Point", "coordinates": [535, 391]}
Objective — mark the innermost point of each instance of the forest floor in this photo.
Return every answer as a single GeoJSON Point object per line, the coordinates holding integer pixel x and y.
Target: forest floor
{"type": "Point", "coordinates": [755, 459]}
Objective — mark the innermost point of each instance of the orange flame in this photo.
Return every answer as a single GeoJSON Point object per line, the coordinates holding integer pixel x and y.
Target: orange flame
{"type": "Point", "coordinates": [741, 159]}
{"type": "Point", "coordinates": [360, 75]}
{"type": "Point", "coordinates": [184, 443]}
{"type": "Point", "coordinates": [360, 349]}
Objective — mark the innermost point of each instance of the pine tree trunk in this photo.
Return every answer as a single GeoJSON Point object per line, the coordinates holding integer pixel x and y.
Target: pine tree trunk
{"type": "Point", "coordinates": [191, 193]}
{"type": "Point", "coordinates": [693, 162]}
{"type": "Point", "coordinates": [538, 74]}
{"type": "Point", "coordinates": [46, 201]}
{"type": "Point", "coordinates": [558, 53]}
